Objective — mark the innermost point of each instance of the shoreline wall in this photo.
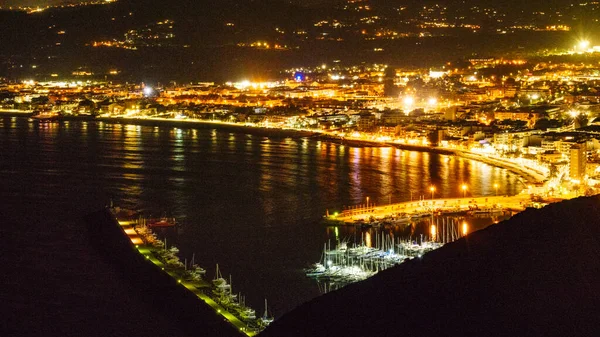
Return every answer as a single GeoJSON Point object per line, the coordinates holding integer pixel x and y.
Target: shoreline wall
{"type": "Point", "coordinates": [159, 289]}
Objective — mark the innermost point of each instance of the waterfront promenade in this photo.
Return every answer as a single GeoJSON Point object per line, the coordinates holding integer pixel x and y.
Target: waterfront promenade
{"type": "Point", "coordinates": [351, 215]}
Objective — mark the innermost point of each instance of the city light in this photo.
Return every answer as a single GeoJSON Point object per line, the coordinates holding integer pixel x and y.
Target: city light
{"type": "Point", "coordinates": [408, 102]}
{"type": "Point", "coordinates": [148, 91]}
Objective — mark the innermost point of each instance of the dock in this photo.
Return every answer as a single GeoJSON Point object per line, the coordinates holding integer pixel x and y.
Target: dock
{"type": "Point", "coordinates": [199, 287]}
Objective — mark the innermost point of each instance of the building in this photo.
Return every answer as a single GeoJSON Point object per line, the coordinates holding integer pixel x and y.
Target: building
{"type": "Point", "coordinates": [526, 116]}
{"type": "Point", "coordinates": [578, 160]}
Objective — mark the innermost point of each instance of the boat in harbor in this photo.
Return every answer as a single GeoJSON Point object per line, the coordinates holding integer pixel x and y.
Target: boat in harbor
{"type": "Point", "coordinates": [219, 281]}
{"type": "Point", "coordinates": [343, 264]}
{"type": "Point", "coordinates": [266, 319]}
{"type": "Point", "coordinates": [162, 222]}
{"type": "Point", "coordinates": [45, 116]}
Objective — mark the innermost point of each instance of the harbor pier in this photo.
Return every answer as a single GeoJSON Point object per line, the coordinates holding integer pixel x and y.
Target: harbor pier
{"type": "Point", "coordinates": [186, 299]}
{"type": "Point", "coordinates": [426, 207]}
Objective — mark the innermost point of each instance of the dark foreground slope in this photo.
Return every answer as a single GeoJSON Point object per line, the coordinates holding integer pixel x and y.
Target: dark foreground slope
{"type": "Point", "coordinates": [537, 274]}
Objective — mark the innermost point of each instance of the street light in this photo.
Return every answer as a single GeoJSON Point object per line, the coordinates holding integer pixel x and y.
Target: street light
{"type": "Point", "coordinates": [496, 187]}
{"type": "Point", "coordinates": [367, 202]}
{"type": "Point", "coordinates": [584, 44]}
{"type": "Point", "coordinates": [432, 189]}
{"type": "Point", "coordinates": [464, 188]}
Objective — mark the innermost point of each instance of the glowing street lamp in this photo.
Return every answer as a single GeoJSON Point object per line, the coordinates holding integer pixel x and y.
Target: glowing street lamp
{"type": "Point", "coordinates": [408, 102]}
{"type": "Point", "coordinates": [367, 202]}
{"type": "Point", "coordinates": [464, 188]}
{"type": "Point", "coordinates": [573, 113]}
{"type": "Point", "coordinates": [148, 91]}
{"type": "Point", "coordinates": [432, 189]}
{"type": "Point", "coordinates": [584, 44]}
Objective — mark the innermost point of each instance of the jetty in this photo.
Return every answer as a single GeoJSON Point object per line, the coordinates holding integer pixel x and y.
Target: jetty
{"type": "Point", "coordinates": [404, 211]}
{"type": "Point", "coordinates": [190, 276]}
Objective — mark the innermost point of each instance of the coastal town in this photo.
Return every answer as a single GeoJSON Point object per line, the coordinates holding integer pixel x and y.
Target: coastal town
{"type": "Point", "coordinates": [537, 117]}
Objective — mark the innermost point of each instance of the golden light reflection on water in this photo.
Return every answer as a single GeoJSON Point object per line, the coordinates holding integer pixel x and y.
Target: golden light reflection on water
{"type": "Point", "coordinates": [178, 136]}
{"type": "Point", "coordinates": [133, 185]}
{"type": "Point", "coordinates": [265, 172]}
{"type": "Point", "coordinates": [386, 174]}
{"type": "Point", "coordinates": [368, 239]}
{"type": "Point", "coordinates": [485, 174]}
{"type": "Point", "coordinates": [433, 233]}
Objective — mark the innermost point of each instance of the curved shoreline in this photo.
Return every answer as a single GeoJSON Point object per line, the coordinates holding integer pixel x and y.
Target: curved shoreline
{"type": "Point", "coordinates": [530, 176]}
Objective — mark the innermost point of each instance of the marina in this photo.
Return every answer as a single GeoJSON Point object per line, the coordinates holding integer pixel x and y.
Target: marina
{"type": "Point", "coordinates": [380, 249]}
{"type": "Point", "coordinates": [384, 239]}
{"type": "Point", "coordinates": [278, 191]}
{"type": "Point", "coordinates": [218, 293]}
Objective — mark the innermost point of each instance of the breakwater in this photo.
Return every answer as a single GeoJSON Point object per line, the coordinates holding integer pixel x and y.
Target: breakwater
{"type": "Point", "coordinates": [161, 291]}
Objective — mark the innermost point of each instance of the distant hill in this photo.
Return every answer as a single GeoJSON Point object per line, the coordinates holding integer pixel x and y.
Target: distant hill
{"type": "Point", "coordinates": [533, 275]}
{"type": "Point", "coordinates": [208, 37]}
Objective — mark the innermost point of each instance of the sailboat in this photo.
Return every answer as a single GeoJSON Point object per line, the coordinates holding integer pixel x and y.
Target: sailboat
{"type": "Point", "coordinates": [266, 319]}
{"type": "Point", "coordinates": [219, 281]}
{"type": "Point", "coordinates": [196, 269]}
{"type": "Point", "coordinates": [246, 312]}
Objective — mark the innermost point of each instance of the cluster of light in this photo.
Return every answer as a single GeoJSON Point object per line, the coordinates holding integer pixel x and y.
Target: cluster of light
{"type": "Point", "coordinates": [337, 77]}
{"type": "Point", "coordinates": [436, 74]}
{"type": "Point", "coordinates": [583, 44]}
{"type": "Point", "coordinates": [408, 100]}
{"type": "Point", "coordinates": [148, 91]}
{"type": "Point", "coordinates": [57, 84]}
{"type": "Point", "coordinates": [246, 84]}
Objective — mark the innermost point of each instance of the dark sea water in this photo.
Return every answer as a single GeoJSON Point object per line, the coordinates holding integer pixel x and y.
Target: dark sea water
{"type": "Point", "coordinates": [250, 203]}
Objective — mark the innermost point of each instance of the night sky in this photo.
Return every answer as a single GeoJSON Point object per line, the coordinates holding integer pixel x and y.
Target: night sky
{"type": "Point", "coordinates": [55, 2]}
{"type": "Point", "coordinates": [33, 2]}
